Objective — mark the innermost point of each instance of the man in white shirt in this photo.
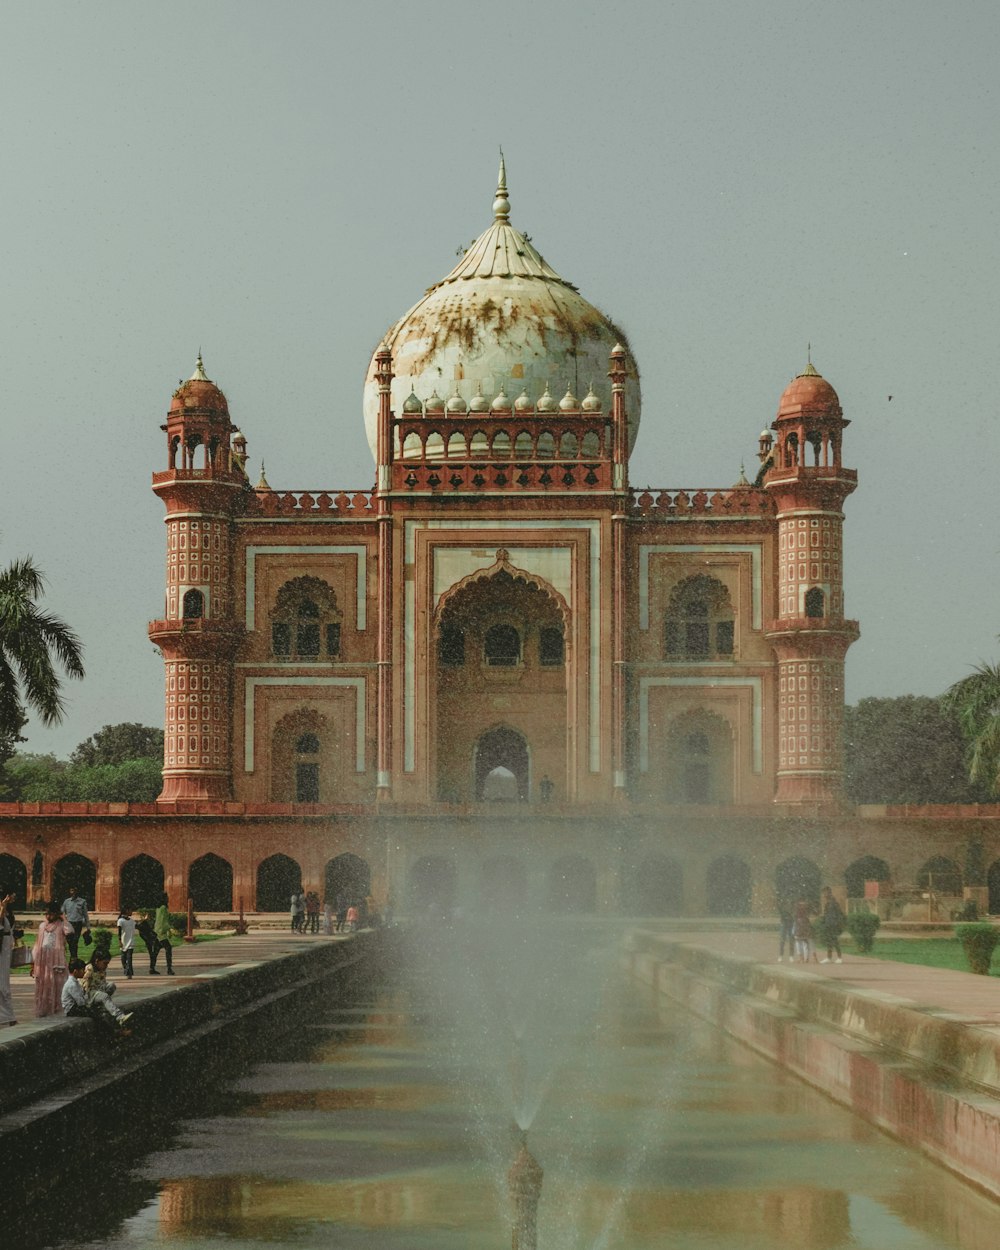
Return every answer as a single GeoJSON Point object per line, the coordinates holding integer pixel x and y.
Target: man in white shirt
{"type": "Point", "coordinates": [77, 1002]}
{"type": "Point", "coordinates": [74, 910]}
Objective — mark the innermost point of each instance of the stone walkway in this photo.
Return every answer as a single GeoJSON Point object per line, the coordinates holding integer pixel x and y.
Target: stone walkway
{"type": "Point", "coordinates": [976, 999]}
{"type": "Point", "coordinates": [190, 960]}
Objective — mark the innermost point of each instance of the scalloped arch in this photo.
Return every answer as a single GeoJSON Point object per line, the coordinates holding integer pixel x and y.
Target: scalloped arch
{"type": "Point", "coordinates": [502, 564]}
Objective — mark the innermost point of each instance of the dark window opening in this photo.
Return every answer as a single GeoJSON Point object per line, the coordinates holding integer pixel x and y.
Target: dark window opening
{"type": "Point", "coordinates": [333, 639]}
{"type": "Point", "coordinates": [451, 647]}
{"type": "Point", "coordinates": [281, 639]}
{"type": "Point", "coordinates": [307, 641]}
{"type": "Point", "coordinates": [724, 637]}
{"type": "Point", "coordinates": [194, 605]}
{"type": "Point", "coordinates": [699, 621]}
{"type": "Point", "coordinates": [307, 744]}
{"type": "Point", "coordinates": [307, 783]}
{"type": "Point", "coordinates": [551, 647]}
{"type": "Point", "coordinates": [503, 646]}
{"type": "Point", "coordinates": [815, 602]}
{"type": "Point", "coordinates": [697, 639]}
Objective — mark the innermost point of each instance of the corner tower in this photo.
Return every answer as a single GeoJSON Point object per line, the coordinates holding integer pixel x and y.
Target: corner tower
{"type": "Point", "coordinates": [203, 487]}
{"type": "Point", "coordinates": [809, 484]}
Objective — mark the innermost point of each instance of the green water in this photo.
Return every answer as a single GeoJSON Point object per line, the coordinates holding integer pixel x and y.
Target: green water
{"type": "Point", "coordinates": [368, 1131]}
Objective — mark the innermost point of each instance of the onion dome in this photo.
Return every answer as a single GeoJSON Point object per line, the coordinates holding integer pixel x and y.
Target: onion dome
{"type": "Point", "coordinates": [766, 434]}
{"type": "Point", "coordinates": [503, 311]}
{"type": "Point", "coordinates": [199, 392]}
{"type": "Point", "coordinates": [412, 405]}
{"type": "Point", "coordinates": [569, 402]}
{"type": "Point", "coordinates": [591, 402]}
{"type": "Point", "coordinates": [501, 403]}
{"type": "Point", "coordinates": [809, 392]}
{"type": "Point", "coordinates": [456, 403]}
{"type": "Point", "coordinates": [435, 403]}
{"type": "Point", "coordinates": [479, 402]}
{"type": "Point", "coordinates": [523, 403]}
{"type": "Point", "coordinates": [547, 401]}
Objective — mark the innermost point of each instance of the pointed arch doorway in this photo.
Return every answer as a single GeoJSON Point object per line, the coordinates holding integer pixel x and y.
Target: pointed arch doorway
{"type": "Point", "coordinates": [501, 766]}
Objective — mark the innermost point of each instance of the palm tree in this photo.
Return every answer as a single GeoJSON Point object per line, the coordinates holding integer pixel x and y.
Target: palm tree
{"type": "Point", "coordinates": [975, 700]}
{"type": "Point", "coordinates": [32, 642]}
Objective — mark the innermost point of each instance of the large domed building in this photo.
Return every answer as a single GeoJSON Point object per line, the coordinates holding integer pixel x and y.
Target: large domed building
{"type": "Point", "coordinates": [502, 676]}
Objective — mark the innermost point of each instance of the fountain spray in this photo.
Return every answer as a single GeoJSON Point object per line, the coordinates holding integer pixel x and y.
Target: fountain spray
{"type": "Point", "coordinates": [524, 1183]}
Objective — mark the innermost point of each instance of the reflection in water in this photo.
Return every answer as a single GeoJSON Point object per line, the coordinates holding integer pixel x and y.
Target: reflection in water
{"type": "Point", "coordinates": [662, 1134]}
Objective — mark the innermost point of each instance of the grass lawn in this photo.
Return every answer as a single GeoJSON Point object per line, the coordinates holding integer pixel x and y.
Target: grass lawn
{"type": "Point", "coordinates": [139, 947]}
{"type": "Point", "coordinates": [942, 952]}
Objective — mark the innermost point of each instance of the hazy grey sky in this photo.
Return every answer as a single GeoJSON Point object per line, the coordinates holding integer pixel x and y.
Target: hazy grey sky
{"type": "Point", "coordinates": [277, 183]}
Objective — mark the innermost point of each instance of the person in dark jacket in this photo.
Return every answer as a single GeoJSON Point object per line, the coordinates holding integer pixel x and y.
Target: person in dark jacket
{"type": "Point", "coordinates": [831, 925]}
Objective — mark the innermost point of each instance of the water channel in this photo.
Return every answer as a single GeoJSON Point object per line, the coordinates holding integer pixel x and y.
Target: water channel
{"type": "Point", "coordinates": [373, 1125]}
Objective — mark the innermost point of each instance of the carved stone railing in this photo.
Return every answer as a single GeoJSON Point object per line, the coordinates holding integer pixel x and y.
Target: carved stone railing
{"type": "Point", "coordinates": [357, 504]}
{"type": "Point", "coordinates": [445, 477]}
{"type": "Point", "coordinates": [737, 501]}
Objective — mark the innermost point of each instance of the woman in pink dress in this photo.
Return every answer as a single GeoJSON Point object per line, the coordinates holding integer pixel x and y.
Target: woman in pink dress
{"type": "Point", "coordinates": [49, 965]}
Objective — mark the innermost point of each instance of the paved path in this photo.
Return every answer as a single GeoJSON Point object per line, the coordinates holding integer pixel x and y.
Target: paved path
{"type": "Point", "coordinates": [190, 960]}
{"type": "Point", "coordinates": [941, 989]}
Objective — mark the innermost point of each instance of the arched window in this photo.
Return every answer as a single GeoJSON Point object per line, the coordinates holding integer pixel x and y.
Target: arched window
{"type": "Point", "coordinates": [502, 646]}
{"type": "Point", "coordinates": [699, 763]}
{"type": "Point", "coordinates": [815, 602]}
{"type": "Point", "coordinates": [305, 621]}
{"type": "Point", "coordinates": [194, 605]}
{"type": "Point", "coordinates": [451, 646]}
{"type": "Point", "coordinates": [699, 622]}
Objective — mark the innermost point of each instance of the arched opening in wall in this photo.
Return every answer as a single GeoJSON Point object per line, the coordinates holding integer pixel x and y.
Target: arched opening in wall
{"type": "Point", "coordinates": [545, 449]}
{"type": "Point", "coordinates": [815, 603]}
{"type": "Point", "coordinates": [797, 878]}
{"type": "Point", "coordinates": [940, 875]}
{"type": "Point", "coordinates": [654, 887]}
{"type": "Point", "coordinates": [303, 760]}
{"type": "Point", "coordinates": [140, 883]}
{"type": "Point", "coordinates": [431, 886]}
{"type": "Point", "coordinates": [728, 887]}
{"type": "Point", "coordinates": [572, 886]}
{"type": "Point", "coordinates": [278, 878]}
{"type": "Point", "coordinates": [502, 646]}
{"type": "Point", "coordinates": [210, 884]}
{"type": "Point", "coordinates": [867, 868]}
{"type": "Point", "coordinates": [501, 758]}
{"type": "Point", "coordinates": [74, 870]}
{"type": "Point", "coordinates": [993, 886]}
{"type": "Point", "coordinates": [700, 758]}
{"type": "Point", "coordinates": [306, 623]}
{"type": "Point", "coordinates": [14, 880]}
{"type": "Point", "coordinates": [348, 875]}
{"type": "Point", "coordinates": [503, 886]}
{"type": "Point", "coordinates": [194, 605]}
{"type": "Point", "coordinates": [699, 621]}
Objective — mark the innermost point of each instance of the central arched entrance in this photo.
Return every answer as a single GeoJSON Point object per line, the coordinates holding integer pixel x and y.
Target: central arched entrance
{"type": "Point", "coordinates": [501, 766]}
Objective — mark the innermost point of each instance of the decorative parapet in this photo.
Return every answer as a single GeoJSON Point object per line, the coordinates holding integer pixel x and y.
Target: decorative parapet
{"type": "Point", "coordinates": [357, 504]}
{"type": "Point", "coordinates": [700, 502]}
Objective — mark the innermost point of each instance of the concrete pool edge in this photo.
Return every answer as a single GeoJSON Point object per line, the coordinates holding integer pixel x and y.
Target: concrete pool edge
{"type": "Point", "coordinates": [931, 1080]}
{"type": "Point", "coordinates": [52, 1080]}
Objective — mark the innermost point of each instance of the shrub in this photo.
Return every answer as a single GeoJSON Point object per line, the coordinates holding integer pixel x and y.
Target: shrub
{"type": "Point", "coordinates": [102, 939]}
{"type": "Point", "coordinates": [968, 911]}
{"type": "Point", "coordinates": [179, 921]}
{"type": "Point", "coordinates": [978, 942]}
{"type": "Point", "coordinates": [862, 926]}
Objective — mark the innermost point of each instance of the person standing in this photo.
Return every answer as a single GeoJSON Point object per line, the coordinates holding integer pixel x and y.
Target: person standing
{"type": "Point", "coordinates": [312, 911]}
{"type": "Point", "coordinates": [126, 939]}
{"type": "Point", "coordinates": [48, 967]}
{"type": "Point", "coordinates": [7, 1016]}
{"type": "Point", "coordinates": [145, 930]}
{"type": "Point", "coordinates": [74, 910]}
{"type": "Point", "coordinates": [831, 925]}
{"type": "Point", "coordinates": [161, 927]}
{"type": "Point", "coordinates": [342, 902]}
{"type": "Point", "coordinates": [786, 918]}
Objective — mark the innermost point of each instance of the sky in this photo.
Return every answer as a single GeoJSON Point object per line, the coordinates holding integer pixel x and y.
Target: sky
{"type": "Point", "coordinates": [276, 184]}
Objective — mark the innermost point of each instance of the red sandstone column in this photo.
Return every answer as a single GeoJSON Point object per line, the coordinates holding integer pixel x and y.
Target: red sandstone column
{"type": "Point", "coordinates": [619, 427]}
{"type": "Point", "coordinates": [384, 452]}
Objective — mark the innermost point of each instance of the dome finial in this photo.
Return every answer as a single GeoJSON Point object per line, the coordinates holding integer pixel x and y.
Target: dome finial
{"type": "Point", "coordinates": [199, 374]}
{"type": "Point", "coordinates": [501, 205]}
{"type": "Point", "coordinates": [263, 483]}
{"type": "Point", "coordinates": [810, 370]}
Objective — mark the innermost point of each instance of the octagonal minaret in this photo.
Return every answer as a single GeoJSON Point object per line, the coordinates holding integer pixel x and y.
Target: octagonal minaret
{"type": "Point", "coordinates": [810, 636]}
{"type": "Point", "coordinates": [203, 488]}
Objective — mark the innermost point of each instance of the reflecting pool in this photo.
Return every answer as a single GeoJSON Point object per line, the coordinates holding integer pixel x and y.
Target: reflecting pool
{"type": "Point", "coordinates": [368, 1128]}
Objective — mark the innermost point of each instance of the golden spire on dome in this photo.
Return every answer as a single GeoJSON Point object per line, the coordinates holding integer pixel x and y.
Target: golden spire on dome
{"type": "Point", "coordinates": [501, 205]}
{"type": "Point", "coordinates": [199, 374]}
{"type": "Point", "coordinates": [810, 371]}
{"type": "Point", "coordinates": [263, 483]}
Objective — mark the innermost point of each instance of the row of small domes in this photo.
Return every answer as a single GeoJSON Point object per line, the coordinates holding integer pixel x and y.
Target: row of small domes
{"type": "Point", "coordinates": [546, 402]}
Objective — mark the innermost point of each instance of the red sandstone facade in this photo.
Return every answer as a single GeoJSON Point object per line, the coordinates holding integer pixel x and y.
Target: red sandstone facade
{"type": "Point", "coordinates": [503, 674]}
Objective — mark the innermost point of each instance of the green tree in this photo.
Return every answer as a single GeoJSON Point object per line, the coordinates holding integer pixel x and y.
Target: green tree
{"type": "Point", "coordinates": [37, 778]}
{"type": "Point", "coordinates": [131, 781]}
{"type": "Point", "coordinates": [33, 644]}
{"type": "Point", "coordinates": [906, 750]}
{"type": "Point", "coordinates": [114, 744]}
{"type": "Point", "coordinates": [975, 702]}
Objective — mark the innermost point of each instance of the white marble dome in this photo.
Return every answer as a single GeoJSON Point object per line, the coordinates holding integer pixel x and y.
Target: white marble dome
{"type": "Point", "coordinates": [502, 320]}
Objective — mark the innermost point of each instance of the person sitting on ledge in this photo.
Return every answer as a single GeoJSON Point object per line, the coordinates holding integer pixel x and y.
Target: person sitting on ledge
{"type": "Point", "coordinates": [98, 1005]}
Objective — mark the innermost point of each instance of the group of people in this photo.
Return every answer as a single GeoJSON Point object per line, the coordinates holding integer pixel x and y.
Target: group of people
{"type": "Point", "coordinates": [800, 931]}
{"type": "Point", "coordinates": [341, 916]}
{"type": "Point", "coordinates": [65, 982]}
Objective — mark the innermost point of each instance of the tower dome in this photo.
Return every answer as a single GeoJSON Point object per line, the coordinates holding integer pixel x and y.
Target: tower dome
{"type": "Point", "coordinates": [199, 394]}
{"type": "Point", "coordinates": [502, 318]}
{"type": "Point", "coordinates": [809, 392]}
